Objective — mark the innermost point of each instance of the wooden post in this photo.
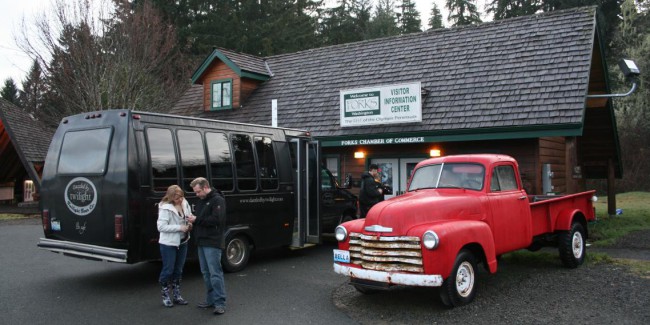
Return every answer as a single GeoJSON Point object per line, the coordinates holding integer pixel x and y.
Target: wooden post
{"type": "Point", "coordinates": [611, 196]}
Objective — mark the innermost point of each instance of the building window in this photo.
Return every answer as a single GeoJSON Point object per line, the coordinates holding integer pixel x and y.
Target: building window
{"type": "Point", "coordinates": [332, 163]}
{"type": "Point", "coordinates": [221, 92]}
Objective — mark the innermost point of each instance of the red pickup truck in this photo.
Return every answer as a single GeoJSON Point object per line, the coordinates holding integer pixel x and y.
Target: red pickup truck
{"type": "Point", "coordinates": [459, 211]}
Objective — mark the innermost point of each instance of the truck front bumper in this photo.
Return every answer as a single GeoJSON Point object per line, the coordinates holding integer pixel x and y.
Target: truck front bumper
{"type": "Point", "coordinates": [418, 280]}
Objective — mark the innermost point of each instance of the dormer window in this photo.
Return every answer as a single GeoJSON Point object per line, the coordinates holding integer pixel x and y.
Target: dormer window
{"type": "Point", "coordinates": [221, 94]}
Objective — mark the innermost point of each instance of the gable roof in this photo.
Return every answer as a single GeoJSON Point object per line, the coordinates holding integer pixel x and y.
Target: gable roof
{"type": "Point", "coordinates": [245, 65]}
{"type": "Point", "coordinates": [30, 137]}
{"type": "Point", "coordinates": [520, 77]}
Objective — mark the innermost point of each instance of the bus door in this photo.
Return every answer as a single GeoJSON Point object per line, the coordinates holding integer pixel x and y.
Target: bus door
{"type": "Point", "coordinates": [306, 155]}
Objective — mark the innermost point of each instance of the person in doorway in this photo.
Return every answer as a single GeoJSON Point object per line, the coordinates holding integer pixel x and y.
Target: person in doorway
{"type": "Point", "coordinates": [370, 193]}
{"type": "Point", "coordinates": [174, 228]}
{"type": "Point", "coordinates": [209, 226]}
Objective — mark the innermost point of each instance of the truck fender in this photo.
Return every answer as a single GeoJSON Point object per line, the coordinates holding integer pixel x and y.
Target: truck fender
{"type": "Point", "coordinates": [565, 219]}
{"type": "Point", "coordinates": [455, 235]}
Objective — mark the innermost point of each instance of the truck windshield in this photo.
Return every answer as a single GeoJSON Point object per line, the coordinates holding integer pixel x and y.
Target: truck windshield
{"type": "Point", "coordinates": [454, 175]}
{"type": "Point", "coordinates": [84, 152]}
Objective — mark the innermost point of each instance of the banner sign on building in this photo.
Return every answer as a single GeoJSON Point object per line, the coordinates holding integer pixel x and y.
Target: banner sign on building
{"type": "Point", "coordinates": [390, 104]}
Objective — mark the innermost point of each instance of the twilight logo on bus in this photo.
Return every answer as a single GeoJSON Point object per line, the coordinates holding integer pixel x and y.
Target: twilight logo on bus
{"type": "Point", "coordinates": [81, 196]}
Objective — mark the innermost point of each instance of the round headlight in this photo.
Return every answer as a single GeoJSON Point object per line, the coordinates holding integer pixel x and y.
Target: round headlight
{"type": "Point", "coordinates": [594, 199]}
{"type": "Point", "coordinates": [340, 233]}
{"type": "Point", "coordinates": [430, 239]}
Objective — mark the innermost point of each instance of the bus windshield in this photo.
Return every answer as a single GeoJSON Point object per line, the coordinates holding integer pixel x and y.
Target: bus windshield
{"type": "Point", "coordinates": [84, 152]}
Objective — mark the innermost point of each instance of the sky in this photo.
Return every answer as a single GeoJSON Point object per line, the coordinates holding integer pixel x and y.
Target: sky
{"type": "Point", "coordinates": [15, 64]}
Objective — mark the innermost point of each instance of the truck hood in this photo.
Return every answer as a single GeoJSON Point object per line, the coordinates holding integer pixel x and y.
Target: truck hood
{"type": "Point", "coordinates": [396, 216]}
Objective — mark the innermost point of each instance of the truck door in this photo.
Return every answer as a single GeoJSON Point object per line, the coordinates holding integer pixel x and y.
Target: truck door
{"type": "Point", "coordinates": [306, 155]}
{"type": "Point", "coordinates": [511, 221]}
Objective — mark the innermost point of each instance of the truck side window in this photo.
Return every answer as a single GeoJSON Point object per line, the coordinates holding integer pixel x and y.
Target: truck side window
{"type": "Point", "coordinates": [220, 161]}
{"type": "Point", "coordinates": [325, 180]}
{"type": "Point", "coordinates": [266, 157]}
{"type": "Point", "coordinates": [162, 158]}
{"type": "Point", "coordinates": [506, 179]}
{"type": "Point", "coordinates": [244, 162]}
{"type": "Point", "coordinates": [190, 145]}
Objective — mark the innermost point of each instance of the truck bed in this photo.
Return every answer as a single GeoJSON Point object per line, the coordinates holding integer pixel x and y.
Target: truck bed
{"type": "Point", "coordinates": [545, 209]}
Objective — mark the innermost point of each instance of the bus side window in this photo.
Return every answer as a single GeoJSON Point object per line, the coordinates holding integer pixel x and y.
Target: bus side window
{"type": "Point", "coordinates": [266, 157]}
{"type": "Point", "coordinates": [162, 158]}
{"type": "Point", "coordinates": [220, 161]}
{"type": "Point", "coordinates": [190, 145]}
{"type": "Point", "coordinates": [244, 162]}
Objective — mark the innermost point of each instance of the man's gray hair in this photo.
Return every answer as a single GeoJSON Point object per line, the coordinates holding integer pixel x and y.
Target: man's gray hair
{"type": "Point", "coordinates": [201, 182]}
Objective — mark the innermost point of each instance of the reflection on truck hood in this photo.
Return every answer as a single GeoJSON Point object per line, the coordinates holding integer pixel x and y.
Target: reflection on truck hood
{"type": "Point", "coordinates": [412, 209]}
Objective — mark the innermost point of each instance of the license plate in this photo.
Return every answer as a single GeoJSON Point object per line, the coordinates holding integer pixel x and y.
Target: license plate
{"type": "Point", "coordinates": [56, 225]}
{"type": "Point", "coordinates": [341, 256]}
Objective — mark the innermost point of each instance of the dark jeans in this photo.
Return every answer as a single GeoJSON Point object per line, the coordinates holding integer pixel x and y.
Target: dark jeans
{"type": "Point", "coordinates": [173, 260]}
{"type": "Point", "coordinates": [210, 261]}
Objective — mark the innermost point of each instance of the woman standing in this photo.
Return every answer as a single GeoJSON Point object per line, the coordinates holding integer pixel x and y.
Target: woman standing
{"type": "Point", "coordinates": [174, 230]}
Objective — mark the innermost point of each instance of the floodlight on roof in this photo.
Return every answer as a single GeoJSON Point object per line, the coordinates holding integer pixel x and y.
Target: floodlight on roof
{"type": "Point", "coordinates": [631, 71]}
{"type": "Point", "coordinates": [629, 68]}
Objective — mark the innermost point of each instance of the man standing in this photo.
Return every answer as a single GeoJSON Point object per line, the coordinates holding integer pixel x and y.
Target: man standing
{"type": "Point", "coordinates": [209, 226]}
{"type": "Point", "coordinates": [369, 193]}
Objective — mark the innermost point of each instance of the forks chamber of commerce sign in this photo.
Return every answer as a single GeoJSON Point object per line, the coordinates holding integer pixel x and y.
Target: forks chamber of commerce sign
{"type": "Point", "coordinates": [390, 104]}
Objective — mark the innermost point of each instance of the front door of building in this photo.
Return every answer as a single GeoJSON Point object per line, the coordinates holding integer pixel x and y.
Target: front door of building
{"type": "Point", "coordinates": [396, 172]}
{"type": "Point", "coordinates": [406, 167]}
{"type": "Point", "coordinates": [388, 173]}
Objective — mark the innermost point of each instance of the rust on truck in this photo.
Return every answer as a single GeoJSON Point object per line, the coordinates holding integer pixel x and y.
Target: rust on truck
{"type": "Point", "coordinates": [458, 212]}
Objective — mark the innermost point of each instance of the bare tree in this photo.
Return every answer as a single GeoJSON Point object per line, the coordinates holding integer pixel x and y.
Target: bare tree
{"type": "Point", "coordinates": [96, 56]}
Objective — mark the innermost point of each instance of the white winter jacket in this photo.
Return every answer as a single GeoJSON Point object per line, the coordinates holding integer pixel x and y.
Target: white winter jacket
{"type": "Point", "coordinates": [170, 222]}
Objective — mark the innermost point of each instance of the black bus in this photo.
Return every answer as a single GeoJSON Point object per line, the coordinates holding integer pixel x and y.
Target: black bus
{"type": "Point", "coordinates": [106, 172]}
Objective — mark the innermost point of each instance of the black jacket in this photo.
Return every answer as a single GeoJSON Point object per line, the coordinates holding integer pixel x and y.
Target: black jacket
{"type": "Point", "coordinates": [369, 194]}
{"type": "Point", "coordinates": [210, 221]}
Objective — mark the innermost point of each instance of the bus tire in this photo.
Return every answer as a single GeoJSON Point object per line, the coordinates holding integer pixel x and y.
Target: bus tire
{"type": "Point", "coordinates": [235, 256]}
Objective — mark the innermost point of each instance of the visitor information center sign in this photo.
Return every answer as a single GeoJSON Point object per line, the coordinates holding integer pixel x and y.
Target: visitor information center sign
{"type": "Point", "coordinates": [390, 104]}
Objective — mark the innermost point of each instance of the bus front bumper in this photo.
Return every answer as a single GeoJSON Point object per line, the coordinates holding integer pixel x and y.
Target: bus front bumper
{"type": "Point", "coordinates": [84, 250]}
{"type": "Point", "coordinates": [409, 279]}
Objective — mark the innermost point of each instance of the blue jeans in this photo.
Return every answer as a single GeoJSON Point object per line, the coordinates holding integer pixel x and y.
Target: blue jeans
{"type": "Point", "coordinates": [210, 261]}
{"type": "Point", "coordinates": [173, 260]}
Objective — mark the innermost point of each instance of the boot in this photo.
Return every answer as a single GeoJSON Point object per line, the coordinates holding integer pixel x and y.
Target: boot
{"type": "Point", "coordinates": [164, 291]}
{"type": "Point", "coordinates": [176, 292]}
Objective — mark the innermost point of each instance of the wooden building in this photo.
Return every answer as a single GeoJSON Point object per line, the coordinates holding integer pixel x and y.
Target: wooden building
{"type": "Point", "coordinates": [516, 86]}
{"type": "Point", "coordinates": [23, 146]}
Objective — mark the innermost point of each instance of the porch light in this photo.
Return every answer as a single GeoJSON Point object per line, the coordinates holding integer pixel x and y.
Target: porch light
{"type": "Point", "coordinates": [434, 153]}
{"type": "Point", "coordinates": [359, 154]}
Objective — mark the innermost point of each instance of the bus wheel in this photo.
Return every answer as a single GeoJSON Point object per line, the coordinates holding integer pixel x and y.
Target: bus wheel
{"type": "Point", "coordinates": [236, 255]}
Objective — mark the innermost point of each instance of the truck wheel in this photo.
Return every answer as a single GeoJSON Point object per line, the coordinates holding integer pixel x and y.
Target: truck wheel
{"type": "Point", "coordinates": [571, 245]}
{"type": "Point", "coordinates": [235, 257]}
{"type": "Point", "coordinates": [460, 287]}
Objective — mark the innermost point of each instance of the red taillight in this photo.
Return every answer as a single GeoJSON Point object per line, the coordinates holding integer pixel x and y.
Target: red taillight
{"type": "Point", "coordinates": [45, 217]}
{"type": "Point", "coordinates": [119, 227]}
{"type": "Point", "coordinates": [136, 116]}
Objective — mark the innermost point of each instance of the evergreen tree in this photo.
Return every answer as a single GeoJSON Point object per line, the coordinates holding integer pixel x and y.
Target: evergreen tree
{"type": "Point", "coordinates": [463, 12]}
{"type": "Point", "coordinates": [33, 96]}
{"type": "Point", "coordinates": [502, 9]}
{"type": "Point", "coordinates": [384, 21]}
{"type": "Point", "coordinates": [410, 18]}
{"type": "Point", "coordinates": [10, 92]}
{"type": "Point", "coordinates": [435, 21]}
{"type": "Point", "coordinates": [337, 24]}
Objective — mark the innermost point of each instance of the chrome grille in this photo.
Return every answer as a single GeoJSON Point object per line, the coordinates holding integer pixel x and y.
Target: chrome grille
{"type": "Point", "coordinates": [388, 254]}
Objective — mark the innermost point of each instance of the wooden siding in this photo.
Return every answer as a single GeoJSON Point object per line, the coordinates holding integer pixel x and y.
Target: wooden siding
{"type": "Point", "coordinates": [219, 71]}
{"type": "Point", "coordinates": [552, 151]}
{"type": "Point", "coordinates": [524, 150]}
